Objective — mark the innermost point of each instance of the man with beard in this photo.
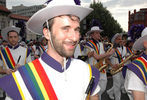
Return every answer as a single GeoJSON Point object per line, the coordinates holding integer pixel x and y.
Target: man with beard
{"type": "Point", "coordinates": [116, 58]}
{"type": "Point", "coordinates": [55, 75]}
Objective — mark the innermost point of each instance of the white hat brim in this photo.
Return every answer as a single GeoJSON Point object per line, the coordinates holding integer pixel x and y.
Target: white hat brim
{"type": "Point", "coordinates": [5, 31]}
{"type": "Point", "coordinates": [138, 45]}
{"type": "Point", "coordinates": [89, 32]}
{"type": "Point", "coordinates": [35, 23]}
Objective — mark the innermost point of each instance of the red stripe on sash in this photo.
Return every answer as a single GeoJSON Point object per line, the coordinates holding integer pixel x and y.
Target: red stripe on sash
{"type": "Point", "coordinates": [45, 80]}
{"type": "Point", "coordinates": [11, 58]}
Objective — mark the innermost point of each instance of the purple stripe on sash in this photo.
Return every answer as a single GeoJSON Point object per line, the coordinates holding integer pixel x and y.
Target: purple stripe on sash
{"type": "Point", "coordinates": [134, 69]}
{"type": "Point", "coordinates": [96, 74]}
{"type": "Point", "coordinates": [8, 84]}
{"type": "Point", "coordinates": [30, 86]}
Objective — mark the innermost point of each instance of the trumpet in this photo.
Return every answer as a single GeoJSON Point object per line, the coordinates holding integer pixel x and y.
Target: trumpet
{"type": "Point", "coordinates": [120, 66]}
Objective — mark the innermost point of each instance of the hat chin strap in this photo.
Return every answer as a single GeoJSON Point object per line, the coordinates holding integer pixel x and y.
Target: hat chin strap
{"type": "Point", "coordinates": [50, 35]}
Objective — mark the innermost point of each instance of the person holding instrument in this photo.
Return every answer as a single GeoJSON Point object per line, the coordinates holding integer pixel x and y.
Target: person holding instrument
{"type": "Point", "coordinates": [55, 75]}
{"type": "Point", "coordinates": [95, 51]}
{"type": "Point", "coordinates": [135, 73]}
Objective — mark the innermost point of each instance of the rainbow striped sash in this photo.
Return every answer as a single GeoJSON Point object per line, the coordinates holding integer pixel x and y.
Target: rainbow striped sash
{"type": "Point", "coordinates": [139, 67]}
{"type": "Point", "coordinates": [7, 58]}
{"type": "Point", "coordinates": [42, 47]}
{"type": "Point", "coordinates": [30, 82]}
{"type": "Point", "coordinates": [129, 50]}
{"type": "Point", "coordinates": [120, 59]}
{"type": "Point", "coordinates": [93, 45]}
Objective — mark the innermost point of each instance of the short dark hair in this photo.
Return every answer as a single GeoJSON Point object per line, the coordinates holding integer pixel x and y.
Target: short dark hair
{"type": "Point", "coordinates": [12, 31]}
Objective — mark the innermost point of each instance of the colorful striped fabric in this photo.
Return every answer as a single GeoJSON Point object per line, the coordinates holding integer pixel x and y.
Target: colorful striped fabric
{"type": "Point", "coordinates": [120, 59]}
{"type": "Point", "coordinates": [42, 47]}
{"type": "Point", "coordinates": [7, 58]}
{"type": "Point", "coordinates": [93, 45]}
{"type": "Point", "coordinates": [129, 50]}
{"type": "Point", "coordinates": [30, 82]}
{"type": "Point", "coordinates": [141, 64]}
{"type": "Point", "coordinates": [139, 67]}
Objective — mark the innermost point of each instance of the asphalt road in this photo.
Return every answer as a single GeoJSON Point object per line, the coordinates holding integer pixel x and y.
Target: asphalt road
{"type": "Point", "coordinates": [109, 85]}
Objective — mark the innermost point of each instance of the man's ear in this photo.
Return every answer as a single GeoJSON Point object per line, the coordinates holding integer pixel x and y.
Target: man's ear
{"type": "Point", "coordinates": [46, 33]}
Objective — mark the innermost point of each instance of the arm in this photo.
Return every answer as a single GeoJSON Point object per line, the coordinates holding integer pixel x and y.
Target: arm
{"type": "Point", "coordinates": [138, 95]}
{"type": "Point", "coordinates": [101, 56]}
{"type": "Point", "coordinates": [95, 97]}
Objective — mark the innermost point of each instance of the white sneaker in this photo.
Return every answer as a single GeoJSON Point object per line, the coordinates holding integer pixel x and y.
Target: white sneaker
{"type": "Point", "coordinates": [111, 96]}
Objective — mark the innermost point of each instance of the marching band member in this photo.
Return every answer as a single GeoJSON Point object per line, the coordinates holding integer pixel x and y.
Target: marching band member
{"type": "Point", "coordinates": [116, 58]}
{"type": "Point", "coordinates": [136, 72]}
{"type": "Point", "coordinates": [13, 55]}
{"type": "Point", "coordinates": [95, 51]}
{"type": "Point", "coordinates": [55, 75]}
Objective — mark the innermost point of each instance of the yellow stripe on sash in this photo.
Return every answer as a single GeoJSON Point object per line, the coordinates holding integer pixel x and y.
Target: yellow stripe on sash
{"type": "Point", "coordinates": [90, 71]}
{"type": "Point", "coordinates": [39, 81]}
{"type": "Point", "coordinates": [3, 60]}
{"type": "Point", "coordinates": [19, 88]}
{"type": "Point", "coordinates": [141, 72]}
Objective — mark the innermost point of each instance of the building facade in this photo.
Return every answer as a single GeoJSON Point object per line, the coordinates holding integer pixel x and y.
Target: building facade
{"type": "Point", "coordinates": [25, 10]}
{"type": "Point", "coordinates": [139, 17]}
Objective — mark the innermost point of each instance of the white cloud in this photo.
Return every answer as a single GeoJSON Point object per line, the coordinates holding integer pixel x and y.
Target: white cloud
{"type": "Point", "coordinates": [118, 8]}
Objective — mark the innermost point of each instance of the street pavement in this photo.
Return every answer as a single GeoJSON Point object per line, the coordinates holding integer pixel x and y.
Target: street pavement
{"type": "Point", "coordinates": [109, 85]}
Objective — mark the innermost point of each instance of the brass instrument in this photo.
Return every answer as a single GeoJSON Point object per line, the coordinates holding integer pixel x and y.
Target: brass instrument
{"type": "Point", "coordinates": [98, 64]}
{"type": "Point", "coordinates": [120, 66]}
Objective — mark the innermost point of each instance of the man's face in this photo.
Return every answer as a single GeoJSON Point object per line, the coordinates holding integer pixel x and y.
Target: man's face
{"type": "Point", "coordinates": [118, 40]}
{"type": "Point", "coordinates": [96, 35]}
{"type": "Point", "coordinates": [13, 38]}
{"type": "Point", "coordinates": [65, 35]}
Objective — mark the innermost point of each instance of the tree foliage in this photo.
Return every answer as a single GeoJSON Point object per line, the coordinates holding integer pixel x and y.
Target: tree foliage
{"type": "Point", "coordinates": [107, 22]}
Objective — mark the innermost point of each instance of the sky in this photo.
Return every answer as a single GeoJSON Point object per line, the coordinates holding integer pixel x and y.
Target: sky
{"type": "Point", "coordinates": [118, 8]}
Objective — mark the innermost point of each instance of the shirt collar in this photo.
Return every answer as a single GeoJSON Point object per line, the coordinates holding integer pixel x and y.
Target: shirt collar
{"type": "Point", "coordinates": [13, 47]}
{"type": "Point", "coordinates": [53, 63]}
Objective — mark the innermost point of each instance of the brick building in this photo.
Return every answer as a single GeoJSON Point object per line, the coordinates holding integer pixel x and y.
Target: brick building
{"type": "Point", "coordinates": [139, 17]}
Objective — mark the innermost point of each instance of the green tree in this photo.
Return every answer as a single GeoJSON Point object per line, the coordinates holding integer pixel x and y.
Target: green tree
{"type": "Point", "coordinates": [107, 22]}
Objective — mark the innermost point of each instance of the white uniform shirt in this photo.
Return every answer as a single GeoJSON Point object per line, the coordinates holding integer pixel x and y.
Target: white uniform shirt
{"type": "Point", "coordinates": [16, 52]}
{"type": "Point", "coordinates": [132, 78]}
{"type": "Point", "coordinates": [70, 82]}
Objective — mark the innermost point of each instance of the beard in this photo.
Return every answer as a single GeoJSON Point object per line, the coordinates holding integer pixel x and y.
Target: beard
{"type": "Point", "coordinates": [60, 49]}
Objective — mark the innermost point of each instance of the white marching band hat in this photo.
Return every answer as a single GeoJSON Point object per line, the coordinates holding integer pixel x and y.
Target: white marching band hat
{"type": "Point", "coordinates": [56, 8]}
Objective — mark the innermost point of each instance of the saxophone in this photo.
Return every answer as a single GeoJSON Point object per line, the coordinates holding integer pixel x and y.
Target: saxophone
{"type": "Point", "coordinates": [120, 66]}
{"type": "Point", "coordinates": [98, 64]}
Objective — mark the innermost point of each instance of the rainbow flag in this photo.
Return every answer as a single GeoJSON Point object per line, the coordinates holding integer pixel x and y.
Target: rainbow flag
{"type": "Point", "coordinates": [139, 67]}
{"type": "Point", "coordinates": [7, 58]}
{"type": "Point", "coordinates": [30, 82]}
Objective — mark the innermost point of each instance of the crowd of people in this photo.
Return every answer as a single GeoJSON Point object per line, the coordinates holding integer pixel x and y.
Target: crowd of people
{"type": "Point", "coordinates": [64, 65]}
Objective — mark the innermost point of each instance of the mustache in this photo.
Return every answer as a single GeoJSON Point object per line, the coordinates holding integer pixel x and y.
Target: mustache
{"type": "Point", "coordinates": [71, 42]}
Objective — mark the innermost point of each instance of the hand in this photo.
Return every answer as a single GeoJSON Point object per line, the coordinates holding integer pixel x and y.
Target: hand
{"type": "Point", "coordinates": [90, 54]}
{"type": "Point", "coordinates": [111, 52]}
{"type": "Point", "coordinates": [115, 66]}
{"type": "Point", "coordinates": [8, 71]}
{"type": "Point", "coordinates": [16, 67]}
